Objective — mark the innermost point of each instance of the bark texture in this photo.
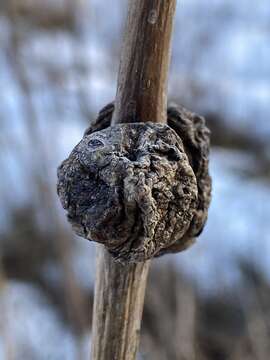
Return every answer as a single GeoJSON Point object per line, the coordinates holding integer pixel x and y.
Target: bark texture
{"type": "Point", "coordinates": [130, 187]}
{"type": "Point", "coordinates": [118, 308]}
{"type": "Point", "coordinates": [195, 136]}
{"type": "Point", "coordinates": [145, 57]}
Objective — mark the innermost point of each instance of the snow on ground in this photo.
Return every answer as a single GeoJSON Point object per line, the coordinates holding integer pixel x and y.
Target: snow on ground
{"type": "Point", "coordinates": [30, 327]}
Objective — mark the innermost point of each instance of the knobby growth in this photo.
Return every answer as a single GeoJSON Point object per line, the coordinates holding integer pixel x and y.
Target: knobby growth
{"type": "Point", "coordinates": [140, 189]}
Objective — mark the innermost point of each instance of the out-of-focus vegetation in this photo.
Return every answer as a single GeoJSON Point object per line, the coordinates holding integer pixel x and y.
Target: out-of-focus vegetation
{"type": "Point", "coordinates": [58, 62]}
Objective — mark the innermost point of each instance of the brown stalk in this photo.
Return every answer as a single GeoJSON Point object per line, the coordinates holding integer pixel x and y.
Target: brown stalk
{"type": "Point", "coordinates": [141, 97]}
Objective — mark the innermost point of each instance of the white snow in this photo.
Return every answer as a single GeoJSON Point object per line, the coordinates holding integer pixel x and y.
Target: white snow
{"type": "Point", "coordinates": [30, 327]}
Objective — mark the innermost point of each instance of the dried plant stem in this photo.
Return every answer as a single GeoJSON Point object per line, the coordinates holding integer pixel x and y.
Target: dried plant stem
{"type": "Point", "coordinates": [118, 306]}
{"type": "Point", "coordinates": [145, 58]}
{"type": "Point", "coordinates": [141, 96]}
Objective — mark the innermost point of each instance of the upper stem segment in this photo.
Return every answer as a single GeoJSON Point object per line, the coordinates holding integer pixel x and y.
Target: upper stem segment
{"type": "Point", "coordinates": [145, 58]}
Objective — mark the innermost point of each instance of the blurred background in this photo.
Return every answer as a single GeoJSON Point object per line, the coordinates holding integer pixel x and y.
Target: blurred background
{"type": "Point", "coordinates": [58, 67]}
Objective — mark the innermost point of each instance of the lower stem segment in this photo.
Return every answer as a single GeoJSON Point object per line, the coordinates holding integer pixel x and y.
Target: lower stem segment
{"type": "Point", "coordinates": [118, 306]}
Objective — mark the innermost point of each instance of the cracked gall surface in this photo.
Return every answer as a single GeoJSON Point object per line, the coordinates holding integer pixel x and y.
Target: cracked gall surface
{"type": "Point", "coordinates": [130, 187]}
